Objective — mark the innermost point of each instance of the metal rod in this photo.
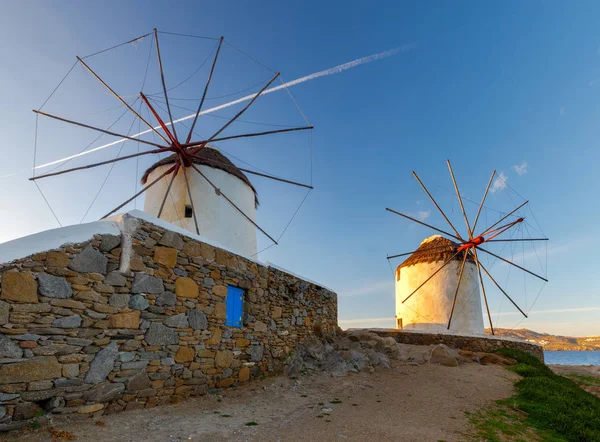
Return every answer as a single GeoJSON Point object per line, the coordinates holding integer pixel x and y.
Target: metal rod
{"type": "Point", "coordinates": [121, 100]}
{"type": "Point", "coordinates": [218, 191]}
{"type": "Point", "coordinates": [425, 224]}
{"type": "Point", "coordinates": [236, 116]}
{"type": "Point", "coordinates": [160, 121]}
{"type": "Point", "coordinates": [164, 84]}
{"type": "Point", "coordinates": [487, 307]}
{"type": "Point", "coordinates": [435, 203]}
{"type": "Point", "coordinates": [191, 200]}
{"type": "Point", "coordinates": [501, 289]}
{"type": "Point", "coordinates": [460, 200]}
{"type": "Point", "coordinates": [87, 126]}
{"type": "Point", "coordinates": [460, 273]}
{"type": "Point", "coordinates": [483, 200]}
{"type": "Point", "coordinates": [140, 192]}
{"type": "Point", "coordinates": [511, 263]}
{"type": "Point", "coordinates": [257, 134]}
{"type": "Point", "coordinates": [503, 218]}
{"type": "Point", "coordinates": [212, 69]}
{"type": "Point", "coordinates": [434, 273]}
{"type": "Point", "coordinates": [518, 239]}
{"type": "Point", "coordinates": [89, 166]}
{"type": "Point", "coordinates": [416, 251]}
{"type": "Point", "coordinates": [162, 205]}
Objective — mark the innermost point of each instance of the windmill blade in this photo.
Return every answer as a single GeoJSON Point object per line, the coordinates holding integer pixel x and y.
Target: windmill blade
{"type": "Point", "coordinates": [460, 273]}
{"type": "Point", "coordinates": [424, 224]}
{"type": "Point", "coordinates": [160, 121]}
{"type": "Point", "coordinates": [460, 200]}
{"type": "Point", "coordinates": [501, 289]}
{"type": "Point", "coordinates": [162, 205]}
{"type": "Point", "coordinates": [483, 200]}
{"type": "Point", "coordinates": [487, 307]}
{"type": "Point", "coordinates": [518, 240]}
{"type": "Point", "coordinates": [436, 204]}
{"type": "Point", "coordinates": [249, 135]}
{"type": "Point", "coordinates": [512, 263]}
{"type": "Point", "coordinates": [164, 84]}
{"type": "Point", "coordinates": [502, 219]}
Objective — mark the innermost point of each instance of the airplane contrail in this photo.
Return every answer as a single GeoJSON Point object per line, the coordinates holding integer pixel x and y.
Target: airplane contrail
{"type": "Point", "coordinates": [331, 71]}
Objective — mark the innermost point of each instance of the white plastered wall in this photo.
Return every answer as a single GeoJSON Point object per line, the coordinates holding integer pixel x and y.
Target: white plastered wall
{"type": "Point", "coordinates": [428, 310]}
{"type": "Point", "coordinates": [218, 220]}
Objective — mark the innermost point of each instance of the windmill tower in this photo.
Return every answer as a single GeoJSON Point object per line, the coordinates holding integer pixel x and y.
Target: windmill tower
{"type": "Point", "coordinates": [429, 311]}
{"type": "Point", "coordinates": [217, 219]}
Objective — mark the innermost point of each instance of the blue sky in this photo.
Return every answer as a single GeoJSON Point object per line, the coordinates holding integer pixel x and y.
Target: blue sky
{"type": "Point", "coordinates": [488, 86]}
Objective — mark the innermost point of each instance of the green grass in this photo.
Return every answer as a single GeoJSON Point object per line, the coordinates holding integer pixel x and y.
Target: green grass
{"type": "Point", "coordinates": [552, 406]}
{"type": "Point", "coordinates": [251, 424]}
{"type": "Point", "coordinates": [581, 379]}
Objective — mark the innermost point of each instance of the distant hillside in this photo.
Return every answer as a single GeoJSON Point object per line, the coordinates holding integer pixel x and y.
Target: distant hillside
{"type": "Point", "coordinates": [551, 342]}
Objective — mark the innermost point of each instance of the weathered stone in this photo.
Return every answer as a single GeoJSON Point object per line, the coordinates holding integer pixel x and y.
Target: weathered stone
{"type": "Point", "coordinates": [177, 321]}
{"type": "Point", "coordinates": [86, 409]}
{"type": "Point", "coordinates": [9, 348]}
{"type": "Point", "coordinates": [25, 410]}
{"type": "Point", "coordinates": [184, 354]}
{"type": "Point", "coordinates": [57, 259]}
{"type": "Point", "coordinates": [166, 256]}
{"type": "Point", "coordinates": [220, 310]}
{"type": "Point", "coordinates": [277, 311]}
{"type": "Point", "coordinates": [244, 374]}
{"type": "Point", "coordinates": [109, 242]}
{"type": "Point", "coordinates": [36, 396]}
{"type": "Point", "coordinates": [242, 342]}
{"type": "Point", "coordinates": [40, 385]}
{"type": "Point", "coordinates": [192, 249]}
{"type": "Point", "coordinates": [260, 327]}
{"type": "Point", "coordinates": [33, 369]}
{"type": "Point", "coordinates": [126, 356]}
{"type": "Point", "coordinates": [27, 337]}
{"type": "Point", "coordinates": [158, 334]}
{"type": "Point", "coordinates": [138, 302]}
{"type": "Point", "coordinates": [103, 364]}
{"type": "Point", "coordinates": [171, 239]}
{"type": "Point", "coordinates": [100, 287]}
{"type": "Point", "coordinates": [72, 321]}
{"type": "Point", "coordinates": [119, 300]}
{"type": "Point", "coordinates": [220, 291]}
{"type": "Point", "coordinates": [223, 359]}
{"type": "Point", "coordinates": [54, 286]}
{"type": "Point", "coordinates": [137, 365]}
{"type": "Point", "coordinates": [4, 312]}
{"type": "Point", "coordinates": [256, 353]}
{"type": "Point", "coordinates": [55, 349]}
{"type": "Point", "coordinates": [144, 283]}
{"type": "Point", "coordinates": [197, 320]}
{"type": "Point", "coordinates": [104, 392]}
{"type": "Point", "coordinates": [167, 298]}
{"type": "Point", "coordinates": [7, 397]}
{"type": "Point", "coordinates": [224, 383]}
{"type": "Point", "coordinates": [116, 279]}
{"type": "Point", "coordinates": [186, 288]}
{"type": "Point", "coordinates": [215, 339]}
{"type": "Point", "coordinates": [139, 382]}
{"type": "Point", "coordinates": [70, 370]}
{"type": "Point", "coordinates": [129, 320]}
{"type": "Point", "coordinates": [19, 287]}
{"type": "Point", "coordinates": [89, 260]}
{"type": "Point", "coordinates": [68, 303]}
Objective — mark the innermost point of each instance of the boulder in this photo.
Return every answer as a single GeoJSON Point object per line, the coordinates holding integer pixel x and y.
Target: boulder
{"type": "Point", "coordinates": [89, 260]}
{"type": "Point", "coordinates": [102, 364]}
{"type": "Point", "coordinates": [104, 392]}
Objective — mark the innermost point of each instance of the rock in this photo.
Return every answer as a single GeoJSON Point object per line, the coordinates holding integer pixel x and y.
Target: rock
{"type": "Point", "coordinates": [9, 348]}
{"type": "Point", "coordinates": [70, 370]}
{"type": "Point", "coordinates": [184, 354]}
{"type": "Point", "coordinates": [158, 334]}
{"type": "Point", "coordinates": [89, 260]}
{"type": "Point", "coordinates": [68, 303]}
{"type": "Point", "coordinates": [119, 300]}
{"type": "Point", "coordinates": [215, 339]}
{"type": "Point", "coordinates": [33, 369]}
{"type": "Point", "coordinates": [220, 291]}
{"type": "Point", "coordinates": [144, 283]}
{"type": "Point", "coordinates": [186, 288]}
{"type": "Point", "coordinates": [139, 382]}
{"type": "Point", "coordinates": [116, 279]}
{"type": "Point", "coordinates": [129, 320]}
{"type": "Point", "coordinates": [72, 321]}
{"type": "Point", "coordinates": [109, 242]}
{"type": "Point", "coordinates": [167, 298]}
{"type": "Point", "coordinates": [244, 374]}
{"type": "Point", "coordinates": [102, 364]}
{"type": "Point", "coordinates": [442, 355]}
{"type": "Point", "coordinates": [19, 287]}
{"type": "Point", "coordinates": [57, 259]}
{"type": "Point", "coordinates": [273, 325]}
{"type": "Point", "coordinates": [177, 321]}
{"type": "Point", "coordinates": [171, 239]}
{"type": "Point", "coordinates": [54, 403]}
{"type": "Point", "coordinates": [138, 302]}
{"type": "Point", "coordinates": [260, 327]}
{"type": "Point", "coordinates": [220, 310]}
{"type": "Point", "coordinates": [37, 396]}
{"type": "Point", "coordinates": [4, 311]}
{"type": "Point", "coordinates": [166, 256]}
{"type": "Point", "coordinates": [25, 410]}
{"type": "Point", "coordinates": [277, 311]}
{"type": "Point", "coordinates": [223, 359]}
{"type": "Point", "coordinates": [242, 342]}
{"type": "Point", "coordinates": [197, 320]}
{"type": "Point", "coordinates": [126, 356]}
{"type": "Point", "coordinates": [137, 365]}
{"type": "Point", "coordinates": [86, 409]}
{"type": "Point", "coordinates": [256, 353]}
{"type": "Point", "coordinates": [104, 392]}
{"type": "Point", "coordinates": [65, 383]}
{"type": "Point", "coordinates": [7, 397]}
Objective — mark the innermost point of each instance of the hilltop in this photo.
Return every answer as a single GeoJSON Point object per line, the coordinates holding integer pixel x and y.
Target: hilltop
{"type": "Point", "coordinates": [551, 342]}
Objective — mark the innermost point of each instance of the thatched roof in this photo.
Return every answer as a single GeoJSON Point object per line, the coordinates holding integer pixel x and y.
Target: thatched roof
{"type": "Point", "coordinates": [207, 156]}
{"type": "Point", "coordinates": [433, 249]}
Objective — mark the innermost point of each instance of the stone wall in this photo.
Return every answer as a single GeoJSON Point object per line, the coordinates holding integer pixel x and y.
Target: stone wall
{"type": "Point", "coordinates": [485, 344]}
{"type": "Point", "coordinates": [138, 320]}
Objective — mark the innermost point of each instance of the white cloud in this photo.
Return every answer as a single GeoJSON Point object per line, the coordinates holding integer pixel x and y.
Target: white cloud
{"type": "Point", "coordinates": [423, 215]}
{"type": "Point", "coordinates": [562, 111]}
{"type": "Point", "coordinates": [499, 183]}
{"type": "Point", "coordinates": [521, 169]}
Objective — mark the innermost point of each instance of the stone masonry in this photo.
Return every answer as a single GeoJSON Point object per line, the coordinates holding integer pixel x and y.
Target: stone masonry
{"type": "Point", "coordinates": [119, 323]}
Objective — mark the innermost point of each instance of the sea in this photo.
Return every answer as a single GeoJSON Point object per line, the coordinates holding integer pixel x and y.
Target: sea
{"type": "Point", "coordinates": [572, 357]}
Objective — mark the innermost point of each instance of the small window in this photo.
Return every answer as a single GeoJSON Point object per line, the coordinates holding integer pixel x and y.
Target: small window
{"type": "Point", "coordinates": [188, 211]}
{"type": "Point", "coordinates": [235, 301]}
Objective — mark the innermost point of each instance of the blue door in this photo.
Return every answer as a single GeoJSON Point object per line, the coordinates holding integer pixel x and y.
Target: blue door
{"type": "Point", "coordinates": [235, 301]}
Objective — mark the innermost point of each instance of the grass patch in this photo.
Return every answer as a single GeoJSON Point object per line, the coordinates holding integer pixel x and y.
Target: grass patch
{"type": "Point", "coordinates": [554, 407]}
{"type": "Point", "coordinates": [226, 415]}
{"type": "Point", "coordinates": [588, 381]}
{"type": "Point", "coordinates": [251, 424]}
{"type": "Point", "coordinates": [335, 401]}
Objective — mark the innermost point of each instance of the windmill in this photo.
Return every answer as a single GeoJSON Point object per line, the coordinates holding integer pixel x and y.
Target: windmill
{"type": "Point", "coordinates": [447, 267]}
{"type": "Point", "coordinates": [192, 174]}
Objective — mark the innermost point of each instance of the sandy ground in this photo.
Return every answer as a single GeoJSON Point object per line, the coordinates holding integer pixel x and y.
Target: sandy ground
{"type": "Point", "coordinates": [406, 402]}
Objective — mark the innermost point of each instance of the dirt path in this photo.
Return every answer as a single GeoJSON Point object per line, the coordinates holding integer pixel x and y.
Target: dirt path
{"type": "Point", "coordinates": [406, 402]}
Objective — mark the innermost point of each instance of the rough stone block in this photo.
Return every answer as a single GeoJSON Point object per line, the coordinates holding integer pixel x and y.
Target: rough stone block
{"type": "Point", "coordinates": [158, 334]}
{"type": "Point", "coordinates": [220, 291]}
{"type": "Point", "coordinates": [244, 374]}
{"type": "Point", "coordinates": [9, 348]}
{"type": "Point", "coordinates": [89, 260]}
{"type": "Point", "coordinates": [166, 256]}
{"type": "Point", "coordinates": [184, 354]}
{"type": "Point", "coordinates": [109, 242]}
{"type": "Point", "coordinates": [87, 409]}
{"type": "Point", "coordinates": [33, 369]}
{"type": "Point", "coordinates": [215, 339]}
{"type": "Point", "coordinates": [171, 239]}
{"type": "Point", "coordinates": [139, 382]}
{"type": "Point", "coordinates": [104, 392]}
{"type": "Point", "coordinates": [223, 359]}
{"type": "Point", "coordinates": [177, 321]}
{"type": "Point", "coordinates": [186, 288]}
{"type": "Point", "coordinates": [129, 320]}
{"type": "Point", "coordinates": [57, 259]}
{"type": "Point", "coordinates": [72, 321]}
{"type": "Point", "coordinates": [144, 283]}
{"type": "Point", "coordinates": [70, 370]}
{"type": "Point", "coordinates": [197, 320]}
{"type": "Point", "coordinates": [220, 310]}
{"type": "Point", "coordinates": [138, 302]}
{"type": "Point", "coordinates": [102, 364]}
{"type": "Point", "coordinates": [115, 279]}
{"type": "Point", "coordinates": [19, 287]}
{"type": "Point", "coordinates": [168, 299]}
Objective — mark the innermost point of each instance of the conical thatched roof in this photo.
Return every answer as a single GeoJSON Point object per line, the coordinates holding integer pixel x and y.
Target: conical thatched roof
{"type": "Point", "coordinates": [433, 249]}
{"type": "Point", "coordinates": [207, 156]}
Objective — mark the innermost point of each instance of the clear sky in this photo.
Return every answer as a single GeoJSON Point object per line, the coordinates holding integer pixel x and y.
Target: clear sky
{"type": "Point", "coordinates": [510, 86]}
